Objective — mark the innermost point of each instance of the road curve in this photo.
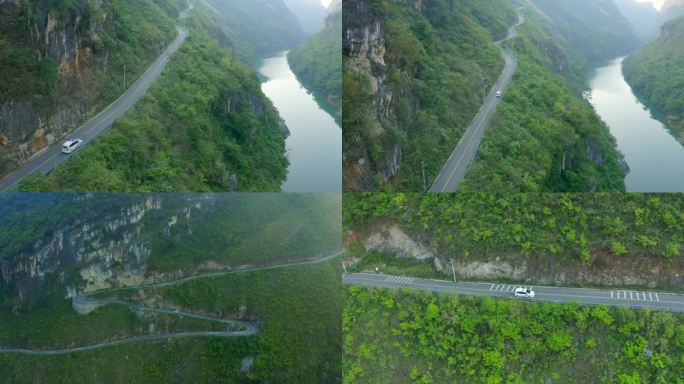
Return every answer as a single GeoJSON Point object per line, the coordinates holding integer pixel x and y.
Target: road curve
{"type": "Point", "coordinates": [52, 156]}
{"type": "Point", "coordinates": [220, 273]}
{"type": "Point", "coordinates": [247, 328]}
{"type": "Point", "coordinates": [456, 167]}
{"type": "Point", "coordinates": [123, 341]}
{"type": "Point", "coordinates": [616, 297]}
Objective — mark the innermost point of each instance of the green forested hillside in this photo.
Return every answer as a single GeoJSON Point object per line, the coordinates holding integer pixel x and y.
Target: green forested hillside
{"type": "Point", "coordinates": [595, 28]}
{"type": "Point", "coordinates": [557, 227]}
{"type": "Point", "coordinates": [544, 136]}
{"type": "Point", "coordinates": [204, 120]}
{"type": "Point", "coordinates": [408, 116]}
{"type": "Point", "coordinates": [656, 74]}
{"type": "Point", "coordinates": [230, 229]}
{"type": "Point", "coordinates": [298, 311]}
{"type": "Point", "coordinates": [132, 35]}
{"type": "Point", "coordinates": [404, 336]}
{"type": "Point", "coordinates": [259, 27]}
{"type": "Point", "coordinates": [318, 63]}
{"type": "Point", "coordinates": [431, 87]}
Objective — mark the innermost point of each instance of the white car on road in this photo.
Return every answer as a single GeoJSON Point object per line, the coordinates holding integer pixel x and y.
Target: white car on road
{"type": "Point", "coordinates": [71, 145]}
{"type": "Point", "coordinates": [499, 93]}
{"type": "Point", "coordinates": [523, 292]}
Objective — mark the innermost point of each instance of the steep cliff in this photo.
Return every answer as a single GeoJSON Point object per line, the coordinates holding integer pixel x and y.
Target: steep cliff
{"type": "Point", "coordinates": [558, 239]}
{"type": "Point", "coordinates": [97, 242]}
{"type": "Point", "coordinates": [642, 16]}
{"type": "Point", "coordinates": [260, 27]}
{"type": "Point", "coordinates": [412, 77]}
{"type": "Point", "coordinates": [83, 242]}
{"type": "Point", "coordinates": [318, 64]}
{"type": "Point", "coordinates": [593, 28]}
{"type": "Point", "coordinates": [61, 62]}
{"type": "Point", "coordinates": [656, 74]}
{"type": "Point", "coordinates": [204, 125]}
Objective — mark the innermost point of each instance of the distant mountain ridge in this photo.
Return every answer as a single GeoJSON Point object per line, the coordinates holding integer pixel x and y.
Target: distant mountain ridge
{"type": "Point", "coordinates": [656, 74]}
{"type": "Point", "coordinates": [644, 18]}
{"type": "Point", "coordinates": [596, 28]}
{"type": "Point", "coordinates": [317, 63]}
{"type": "Point", "coordinates": [671, 9]}
{"type": "Point", "coordinates": [262, 27]}
{"type": "Point", "coordinates": [310, 13]}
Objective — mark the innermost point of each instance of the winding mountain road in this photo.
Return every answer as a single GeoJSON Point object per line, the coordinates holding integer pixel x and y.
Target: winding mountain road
{"type": "Point", "coordinates": [617, 297]}
{"type": "Point", "coordinates": [235, 328]}
{"type": "Point", "coordinates": [52, 156]}
{"type": "Point", "coordinates": [456, 167]}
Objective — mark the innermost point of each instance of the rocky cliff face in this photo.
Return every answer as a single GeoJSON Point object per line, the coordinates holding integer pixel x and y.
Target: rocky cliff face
{"type": "Point", "coordinates": [541, 270]}
{"type": "Point", "coordinates": [363, 50]}
{"type": "Point", "coordinates": [93, 252]}
{"type": "Point", "coordinates": [28, 125]}
{"type": "Point", "coordinates": [59, 59]}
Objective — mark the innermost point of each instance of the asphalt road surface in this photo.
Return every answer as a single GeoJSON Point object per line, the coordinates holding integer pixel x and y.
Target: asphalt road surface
{"type": "Point", "coordinates": [456, 167]}
{"type": "Point", "coordinates": [617, 297]}
{"type": "Point", "coordinates": [52, 156]}
{"type": "Point", "coordinates": [120, 342]}
{"type": "Point", "coordinates": [237, 328]}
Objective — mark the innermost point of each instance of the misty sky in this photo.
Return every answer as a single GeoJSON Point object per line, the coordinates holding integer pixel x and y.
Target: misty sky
{"type": "Point", "coordinates": [656, 3]}
{"type": "Point", "coordinates": [326, 2]}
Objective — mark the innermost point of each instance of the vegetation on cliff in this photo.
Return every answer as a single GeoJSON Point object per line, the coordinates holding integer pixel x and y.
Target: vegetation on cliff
{"type": "Point", "coordinates": [258, 28]}
{"type": "Point", "coordinates": [69, 57]}
{"type": "Point", "coordinates": [436, 59]}
{"type": "Point", "coordinates": [231, 229]}
{"type": "Point", "coordinates": [404, 336]}
{"type": "Point", "coordinates": [129, 32]}
{"type": "Point", "coordinates": [204, 120]}
{"type": "Point", "coordinates": [595, 29]}
{"type": "Point", "coordinates": [557, 226]}
{"type": "Point", "coordinates": [545, 138]}
{"type": "Point", "coordinates": [318, 63]}
{"type": "Point", "coordinates": [656, 73]}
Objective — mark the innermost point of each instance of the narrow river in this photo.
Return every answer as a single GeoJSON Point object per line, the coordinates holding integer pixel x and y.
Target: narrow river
{"type": "Point", "coordinates": [315, 143]}
{"type": "Point", "coordinates": [655, 157]}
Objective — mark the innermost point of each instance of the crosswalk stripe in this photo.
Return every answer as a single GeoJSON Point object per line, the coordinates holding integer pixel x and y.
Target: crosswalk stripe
{"type": "Point", "coordinates": [492, 287]}
{"type": "Point", "coordinates": [399, 279]}
{"type": "Point", "coordinates": [634, 295]}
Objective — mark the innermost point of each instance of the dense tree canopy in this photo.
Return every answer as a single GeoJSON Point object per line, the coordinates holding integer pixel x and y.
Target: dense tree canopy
{"type": "Point", "coordinates": [404, 336]}
{"type": "Point", "coordinates": [560, 225]}
{"type": "Point", "coordinates": [656, 73]}
{"type": "Point", "coordinates": [318, 63]}
{"type": "Point", "coordinates": [204, 120]}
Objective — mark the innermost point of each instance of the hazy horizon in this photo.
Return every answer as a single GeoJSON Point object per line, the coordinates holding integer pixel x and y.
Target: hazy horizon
{"type": "Point", "coordinates": [656, 3]}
